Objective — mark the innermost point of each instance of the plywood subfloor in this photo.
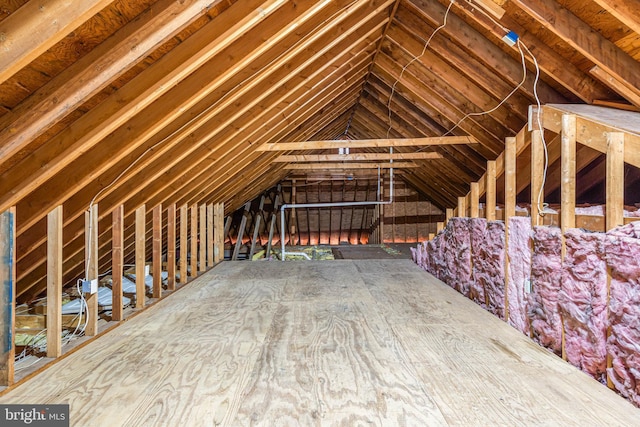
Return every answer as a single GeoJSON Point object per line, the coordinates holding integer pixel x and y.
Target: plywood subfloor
{"type": "Point", "coordinates": [371, 342]}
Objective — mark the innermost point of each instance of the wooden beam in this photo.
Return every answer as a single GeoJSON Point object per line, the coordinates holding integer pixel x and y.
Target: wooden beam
{"type": "Point", "coordinates": [184, 221]}
{"type": "Point", "coordinates": [347, 166]}
{"type": "Point", "coordinates": [141, 257]}
{"type": "Point", "coordinates": [490, 191]}
{"type": "Point", "coordinates": [629, 92]}
{"type": "Point", "coordinates": [537, 177]}
{"type": "Point", "coordinates": [210, 222]}
{"type": "Point", "coordinates": [218, 225]}
{"type": "Point", "coordinates": [91, 267]}
{"type": "Point", "coordinates": [509, 178]}
{"type": "Point", "coordinates": [202, 238]}
{"type": "Point", "coordinates": [37, 26]}
{"type": "Point", "coordinates": [579, 35]}
{"type": "Point", "coordinates": [171, 247]}
{"type": "Point", "coordinates": [243, 224]}
{"type": "Point", "coordinates": [7, 295]}
{"type": "Point", "coordinates": [625, 11]}
{"type": "Point", "coordinates": [157, 251]}
{"type": "Point", "coordinates": [462, 207]}
{"type": "Point", "coordinates": [568, 181]}
{"type": "Point", "coordinates": [193, 256]}
{"type": "Point", "coordinates": [117, 262]}
{"type": "Point", "coordinates": [256, 227]}
{"type": "Point", "coordinates": [54, 282]}
{"type": "Point", "coordinates": [491, 7]}
{"type": "Point", "coordinates": [474, 200]}
{"type": "Point", "coordinates": [615, 180]}
{"type": "Point", "coordinates": [302, 158]}
{"type": "Point", "coordinates": [367, 143]}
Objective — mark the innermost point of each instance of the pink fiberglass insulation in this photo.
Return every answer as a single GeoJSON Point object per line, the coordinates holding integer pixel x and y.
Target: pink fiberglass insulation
{"type": "Point", "coordinates": [457, 254]}
{"type": "Point", "coordinates": [436, 262]}
{"type": "Point", "coordinates": [519, 252]}
{"type": "Point", "coordinates": [622, 249]}
{"type": "Point", "coordinates": [583, 302]}
{"type": "Point", "coordinates": [546, 276]}
{"type": "Point", "coordinates": [488, 251]}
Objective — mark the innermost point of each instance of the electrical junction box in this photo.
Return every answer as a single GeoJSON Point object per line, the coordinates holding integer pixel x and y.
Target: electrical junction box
{"type": "Point", "coordinates": [90, 286]}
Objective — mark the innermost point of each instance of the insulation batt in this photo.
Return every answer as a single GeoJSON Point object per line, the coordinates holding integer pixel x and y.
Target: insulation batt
{"type": "Point", "coordinates": [488, 250]}
{"type": "Point", "coordinates": [519, 252]}
{"type": "Point", "coordinates": [583, 302]}
{"type": "Point", "coordinates": [457, 253]}
{"type": "Point", "coordinates": [546, 275]}
{"type": "Point", "coordinates": [623, 258]}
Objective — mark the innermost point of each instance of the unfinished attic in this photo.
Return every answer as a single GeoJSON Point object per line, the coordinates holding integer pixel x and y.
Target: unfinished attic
{"type": "Point", "coordinates": [271, 212]}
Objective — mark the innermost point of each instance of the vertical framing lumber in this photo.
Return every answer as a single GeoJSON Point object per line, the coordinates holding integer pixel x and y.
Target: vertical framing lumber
{"type": "Point", "coordinates": [203, 239]}
{"type": "Point", "coordinates": [509, 207]}
{"type": "Point", "coordinates": [474, 200]}
{"type": "Point", "coordinates": [439, 227]}
{"type": "Point", "coordinates": [141, 255]}
{"type": "Point", "coordinates": [91, 268]}
{"type": "Point", "coordinates": [537, 177]}
{"type": "Point", "coordinates": [256, 228]}
{"type": "Point", "coordinates": [218, 225]}
{"type": "Point", "coordinates": [54, 282]}
{"type": "Point", "coordinates": [184, 221]}
{"type": "Point", "coordinates": [236, 248]}
{"type": "Point", "coordinates": [117, 262]}
{"type": "Point", "coordinates": [157, 251]}
{"type": "Point", "coordinates": [448, 215]}
{"type": "Point", "coordinates": [171, 247]}
{"type": "Point", "coordinates": [7, 294]}
{"type": "Point", "coordinates": [568, 185]}
{"type": "Point", "coordinates": [490, 189]}
{"type": "Point", "coordinates": [462, 207]}
{"type": "Point", "coordinates": [193, 256]}
{"type": "Point", "coordinates": [615, 202]}
{"type": "Point", "coordinates": [210, 214]}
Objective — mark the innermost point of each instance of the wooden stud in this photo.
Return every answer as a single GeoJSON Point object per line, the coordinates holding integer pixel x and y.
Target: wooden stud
{"type": "Point", "coordinates": [509, 178]}
{"type": "Point", "coordinates": [91, 268]}
{"type": "Point", "coordinates": [7, 292]}
{"type": "Point", "coordinates": [141, 257]}
{"type": "Point", "coordinates": [218, 224]}
{"type": "Point", "coordinates": [184, 221]}
{"type": "Point", "coordinates": [193, 256]}
{"type": "Point", "coordinates": [439, 226]}
{"type": "Point", "coordinates": [474, 197]}
{"type": "Point", "coordinates": [54, 282]}
{"type": "Point", "coordinates": [462, 207]}
{"type": "Point", "coordinates": [568, 184]}
{"type": "Point", "coordinates": [210, 211]}
{"type": "Point", "coordinates": [490, 189]}
{"type": "Point", "coordinates": [117, 262]}
{"type": "Point", "coordinates": [171, 247]}
{"type": "Point", "coordinates": [614, 215]}
{"type": "Point", "coordinates": [537, 177]}
{"type": "Point", "coordinates": [202, 236]}
{"type": "Point", "coordinates": [157, 251]}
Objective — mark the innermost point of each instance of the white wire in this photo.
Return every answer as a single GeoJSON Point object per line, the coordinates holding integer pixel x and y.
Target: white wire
{"type": "Point", "coordinates": [415, 58]}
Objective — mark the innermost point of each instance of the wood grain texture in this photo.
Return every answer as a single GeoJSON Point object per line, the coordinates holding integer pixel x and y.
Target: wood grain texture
{"type": "Point", "coordinates": [320, 343]}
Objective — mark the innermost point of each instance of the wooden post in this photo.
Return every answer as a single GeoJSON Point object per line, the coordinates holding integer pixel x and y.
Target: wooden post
{"type": "Point", "coordinates": [474, 199]}
{"type": "Point", "coordinates": [210, 211]}
{"type": "Point", "coordinates": [537, 177]}
{"type": "Point", "coordinates": [91, 268]}
{"type": "Point", "coordinates": [568, 185]}
{"type": "Point", "coordinates": [509, 208]}
{"type": "Point", "coordinates": [117, 262]}
{"type": "Point", "coordinates": [218, 225]}
{"type": "Point", "coordinates": [193, 256]}
{"type": "Point", "coordinates": [141, 256]}
{"type": "Point", "coordinates": [462, 207]}
{"type": "Point", "coordinates": [171, 247]}
{"type": "Point", "coordinates": [439, 227]}
{"type": "Point", "coordinates": [54, 282]}
{"type": "Point", "coordinates": [490, 188]}
{"type": "Point", "coordinates": [157, 251]}
{"type": "Point", "coordinates": [615, 202]}
{"type": "Point", "coordinates": [202, 236]}
{"type": "Point", "coordinates": [448, 215]}
{"type": "Point", "coordinates": [7, 292]}
{"type": "Point", "coordinates": [256, 228]}
{"type": "Point", "coordinates": [184, 221]}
